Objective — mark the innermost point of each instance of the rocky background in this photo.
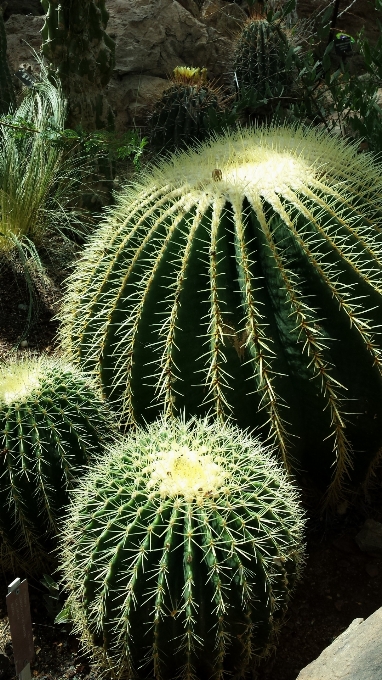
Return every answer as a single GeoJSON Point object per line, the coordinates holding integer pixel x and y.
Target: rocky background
{"type": "Point", "coordinates": [154, 36]}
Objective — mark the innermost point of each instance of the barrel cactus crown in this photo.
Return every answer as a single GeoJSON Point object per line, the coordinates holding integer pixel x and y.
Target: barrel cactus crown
{"type": "Point", "coordinates": [260, 58]}
{"type": "Point", "coordinates": [180, 116]}
{"type": "Point", "coordinates": [244, 277]}
{"type": "Point", "coordinates": [180, 552]}
{"type": "Point", "coordinates": [52, 423]}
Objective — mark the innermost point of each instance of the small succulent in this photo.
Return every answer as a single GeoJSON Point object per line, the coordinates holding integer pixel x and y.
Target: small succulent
{"type": "Point", "coordinates": [180, 552]}
{"type": "Point", "coordinates": [180, 117]}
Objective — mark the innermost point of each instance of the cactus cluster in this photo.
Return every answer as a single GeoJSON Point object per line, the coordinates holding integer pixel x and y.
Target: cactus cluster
{"type": "Point", "coordinates": [180, 116]}
{"type": "Point", "coordinates": [53, 422]}
{"type": "Point", "coordinates": [260, 58]}
{"type": "Point", "coordinates": [7, 92]}
{"type": "Point", "coordinates": [82, 54]}
{"type": "Point", "coordinates": [180, 552]}
{"type": "Point", "coordinates": [245, 279]}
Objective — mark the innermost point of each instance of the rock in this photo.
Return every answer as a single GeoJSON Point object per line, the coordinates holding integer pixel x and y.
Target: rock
{"type": "Point", "coordinates": [372, 569]}
{"type": "Point", "coordinates": [191, 6]}
{"type": "Point", "coordinates": [33, 7]}
{"type": "Point", "coordinates": [228, 19]}
{"type": "Point", "coordinates": [23, 35]}
{"type": "Point", "coordinates": [155, 36]}
{"type": "Point", "coordinates": [133, 96]}
{"type": "Point", "coordinates": [369, 539]}
{"type": "Point", "coordinates": [355, 655]}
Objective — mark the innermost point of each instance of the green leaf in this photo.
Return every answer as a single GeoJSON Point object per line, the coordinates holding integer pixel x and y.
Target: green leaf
{"type": "Point", "coordinates": [64, 616]}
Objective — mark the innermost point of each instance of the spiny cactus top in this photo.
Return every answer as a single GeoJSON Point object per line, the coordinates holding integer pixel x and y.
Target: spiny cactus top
{"type": "Point", "coordinates": [180, 552]}
{"type": "Point", "coordinates": [244, 277]}
{"type": "Point", "coordinates": [179, 117]}
{"type": "Point", "coordinates": [52, 423]}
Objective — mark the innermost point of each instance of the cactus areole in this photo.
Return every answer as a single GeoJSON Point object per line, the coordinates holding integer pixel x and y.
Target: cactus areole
{"type": "Point", "coordinates": [180, 552]}
{"type": "Point", "coordinates": [245, 278]}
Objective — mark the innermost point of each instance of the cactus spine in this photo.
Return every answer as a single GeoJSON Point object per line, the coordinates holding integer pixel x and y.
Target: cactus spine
{"type": "Point", "coordinates": [77, 46]}
{"type": "Point", "coordinates": [246, 278]}
{"type": "Point", "coordinates": [52, 423]}
{"type": "Point", "coordinates": [180, 552]}
{"type": "Point", "coordinates": [180, 116]}
{"type": "Point", "coordinates": [7, 92]}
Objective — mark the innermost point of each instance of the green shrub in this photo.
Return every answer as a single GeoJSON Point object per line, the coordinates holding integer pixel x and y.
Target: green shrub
{"type": "Point", "coordinates": [180, 552]}
{"type": "Point", "coordinates": [53, 422]}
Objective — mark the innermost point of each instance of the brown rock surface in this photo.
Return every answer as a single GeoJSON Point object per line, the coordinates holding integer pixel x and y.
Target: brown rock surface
{"type": "Point", "coordinates": [154, 36]}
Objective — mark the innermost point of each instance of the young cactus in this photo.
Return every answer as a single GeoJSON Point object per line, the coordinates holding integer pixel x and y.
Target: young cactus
{"type": "Point", "coordinates": [7, 91]}
{"type": "Point", "coordinates": [180, 552]}
{"type": "Point", "coordinates": [260, 58]}
{"type": "Point", "coordinates": [52, 423]}
{"type": "Point", "coordinates": [180, 116]}
{"type": "Point", "coordinates": [245, 277]}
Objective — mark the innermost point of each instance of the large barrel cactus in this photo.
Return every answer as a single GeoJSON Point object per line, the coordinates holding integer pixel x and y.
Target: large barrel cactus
{"type": "Point", "coordinates": [180, 116]}
{"type": "Point", "coordinates": [53, 423]}
{"type": "Point", "coordinates": [245, 278]}
{"type": "Point", "coordinates": [180, 552]}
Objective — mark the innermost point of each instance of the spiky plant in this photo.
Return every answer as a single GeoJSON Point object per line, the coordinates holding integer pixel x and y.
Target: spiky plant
{"type": "Point", "coordinates": [260, 58]}
{"type": "Point", "coordinates": [245, 277]}
{"type": "Point", "coordinates": [7, 90]}
{"type": "Point", "coordinates": [82, 54]}
{"type": "Point", "coordinates": [53, 422]}
{"type": "Point", "coordinates": [180, 115]}
{"type": "Point", "coordinates": [180, 552]}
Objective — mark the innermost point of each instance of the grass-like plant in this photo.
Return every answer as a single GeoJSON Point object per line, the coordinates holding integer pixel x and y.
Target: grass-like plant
{"type": "Point", "coordinates": [40, 179]}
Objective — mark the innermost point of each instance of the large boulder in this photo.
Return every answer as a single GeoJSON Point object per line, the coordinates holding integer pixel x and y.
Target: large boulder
{"type": "Point", "coordinates": [152, 38]}
{"type": "Point", "coordinates": [356, 654]}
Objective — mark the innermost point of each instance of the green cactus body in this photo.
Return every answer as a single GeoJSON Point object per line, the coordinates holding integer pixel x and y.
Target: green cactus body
{"type": "Point", "coordinates": [180, 116]}
{"type": "Point", "coordinates": [52, 423]}
{"type": "Point", "coordinates": [77, 46]}
{"type": "Point", "coordinates": [245, 277]}
{"type": "Point", "coordinates": [7, 92]}
{"type": "Point", "coordinates": [180, 552]}
{"type": "Point", "coordinates": [260, 58]}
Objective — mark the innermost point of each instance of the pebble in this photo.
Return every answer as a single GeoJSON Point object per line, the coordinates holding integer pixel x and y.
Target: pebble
{"type": "Point", "coordinates": [369, 539]}
{"type": "Point", "coordinates": [24, 343]}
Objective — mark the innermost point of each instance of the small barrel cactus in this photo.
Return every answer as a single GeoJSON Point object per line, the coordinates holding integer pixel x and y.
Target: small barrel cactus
{"type": "Point", "coordinates": [7, 91]}
{"type": "Point", "coordinates": [260, 58]}
{"type": "Point", "coordinates": [245, 277]}
{"type": "Point", "coordinates": [180, 552]}
{"type": "Point", "coordinates": [52, 423]}
{"type": "Point", "coordinates": [180, 116]}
